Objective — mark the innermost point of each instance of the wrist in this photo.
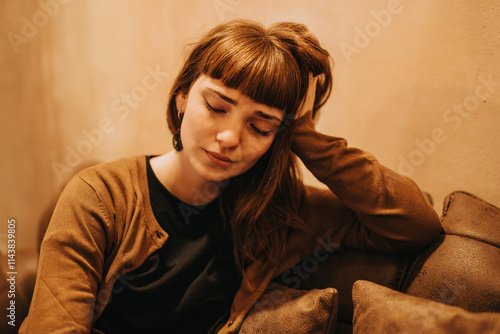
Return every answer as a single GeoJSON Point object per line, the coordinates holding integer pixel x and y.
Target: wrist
{"type": "Point", "coordinates": [304, 127]}
{"type": "Point", "coordinates": [304, 121]}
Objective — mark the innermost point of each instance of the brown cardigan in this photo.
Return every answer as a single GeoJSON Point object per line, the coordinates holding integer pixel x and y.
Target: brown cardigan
{"type": "Point", "coordinates": [103, 227]}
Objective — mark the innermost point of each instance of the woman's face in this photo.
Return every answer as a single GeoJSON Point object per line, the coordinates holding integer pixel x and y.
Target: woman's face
{"type": "Point", "coordinates": [223, 132]}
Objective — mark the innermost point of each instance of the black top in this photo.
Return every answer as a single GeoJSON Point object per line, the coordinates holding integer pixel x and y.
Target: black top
{"type": "Point", "coordinates": [185, 286]}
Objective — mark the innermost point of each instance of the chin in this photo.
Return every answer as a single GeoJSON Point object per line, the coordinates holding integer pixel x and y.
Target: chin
{"type": "Point", "coordinates": [218, 176]}
{"type": "Point", "coordinates": [213, 174]}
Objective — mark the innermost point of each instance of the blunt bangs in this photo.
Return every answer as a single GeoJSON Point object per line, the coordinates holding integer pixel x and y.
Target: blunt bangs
{"type": "Point", "coordinates": [258, 68]}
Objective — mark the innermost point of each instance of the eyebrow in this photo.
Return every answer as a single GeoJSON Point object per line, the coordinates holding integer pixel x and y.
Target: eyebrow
{"type": "Point", "coordinates": [234, 102]}
{"type": "Point", "coordinates": [224, 97]}
{"type": "Point", "coordinates": [266, 116]}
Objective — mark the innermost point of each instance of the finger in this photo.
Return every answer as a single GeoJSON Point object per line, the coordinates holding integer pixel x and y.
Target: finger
{"type": "Point", "coordinates": [308, 103]}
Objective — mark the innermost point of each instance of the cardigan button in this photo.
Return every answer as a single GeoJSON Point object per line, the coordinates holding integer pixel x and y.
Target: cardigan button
{"type": "Point", "coordinates": [159, 235]}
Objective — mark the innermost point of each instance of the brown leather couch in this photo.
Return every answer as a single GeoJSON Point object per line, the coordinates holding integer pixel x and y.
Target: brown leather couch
{"type": "Point", "coordinates": [461, 268]}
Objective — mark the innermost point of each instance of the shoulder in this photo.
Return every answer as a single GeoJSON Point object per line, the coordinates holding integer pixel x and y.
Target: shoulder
{"type": "Point", "coordinates": [120, 167]}
{"type": "Point", "coordinates": [118, 172]}
{"type": "Point", "coordinates": [120, 179]}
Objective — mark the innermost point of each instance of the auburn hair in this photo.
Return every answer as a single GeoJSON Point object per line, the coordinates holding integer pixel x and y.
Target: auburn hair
{"type": "Point", "coordinates": [271, 66]}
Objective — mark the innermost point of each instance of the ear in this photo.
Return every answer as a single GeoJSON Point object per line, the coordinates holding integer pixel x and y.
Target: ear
{"type": "Point", "coordinates": [180, 100]}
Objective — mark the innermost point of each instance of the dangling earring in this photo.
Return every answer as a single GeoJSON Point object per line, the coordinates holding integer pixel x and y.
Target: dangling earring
{"type": "Point", "coordinates": [176, 140]}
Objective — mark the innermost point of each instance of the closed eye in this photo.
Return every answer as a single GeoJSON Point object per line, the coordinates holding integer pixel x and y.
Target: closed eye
{"type": "Point", "coordinates": [209, 107]}
{"type": "Point", "coordinates": [260, 132]}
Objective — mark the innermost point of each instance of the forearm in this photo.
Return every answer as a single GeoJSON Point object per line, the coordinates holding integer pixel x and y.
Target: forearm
{"type": "Point", "coordinates": [390, 208]}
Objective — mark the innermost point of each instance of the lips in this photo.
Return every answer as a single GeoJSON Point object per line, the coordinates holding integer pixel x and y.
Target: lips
{"type": "Point", "coordinates": [219, 160]}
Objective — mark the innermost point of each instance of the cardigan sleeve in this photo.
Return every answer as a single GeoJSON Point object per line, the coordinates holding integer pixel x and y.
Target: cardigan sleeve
{"type": "Point", "coordinates": [71, 264]}
{"type": "Point", "coordinates": [367, 205]}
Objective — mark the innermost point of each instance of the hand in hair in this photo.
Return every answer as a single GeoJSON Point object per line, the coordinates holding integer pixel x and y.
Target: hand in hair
{"type": "Point", "coordinates": [308, 103]}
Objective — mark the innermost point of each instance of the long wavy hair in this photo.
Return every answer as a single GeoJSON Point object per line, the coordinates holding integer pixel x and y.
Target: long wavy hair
{"type": "Point", "coordinates": [271, 66]}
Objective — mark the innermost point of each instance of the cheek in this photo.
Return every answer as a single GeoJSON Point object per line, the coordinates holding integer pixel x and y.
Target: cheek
{"type": "Point", "coordinates": [257, 148]}
{"type": "Point", "coordinates": [194, 123]}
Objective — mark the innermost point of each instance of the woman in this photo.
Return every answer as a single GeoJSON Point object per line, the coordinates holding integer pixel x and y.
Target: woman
{"type": "Point", "coordinates": [171, 243]}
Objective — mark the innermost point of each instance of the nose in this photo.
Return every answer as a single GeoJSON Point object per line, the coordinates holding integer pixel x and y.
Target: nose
{"type": "Point", "coordinates": [229, 137]}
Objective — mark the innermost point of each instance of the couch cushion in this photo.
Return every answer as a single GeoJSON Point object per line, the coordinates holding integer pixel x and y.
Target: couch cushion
{"type": "Point", "coordinates": [467, 215]}
{"type": "Point", "coordinates": [284, 310]}
{"type": "Point", "coordinates": [341, 269]}
{"type": "Point", "coordinates": [457, 271]}
{"type": "Point", "coordinates": [462, 267]}
{"type": "Point", "coordinates": [378, 309]}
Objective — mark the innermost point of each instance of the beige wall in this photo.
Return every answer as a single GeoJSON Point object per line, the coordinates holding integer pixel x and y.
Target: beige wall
{"type": "Point", "coordinates": [416, 83]}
